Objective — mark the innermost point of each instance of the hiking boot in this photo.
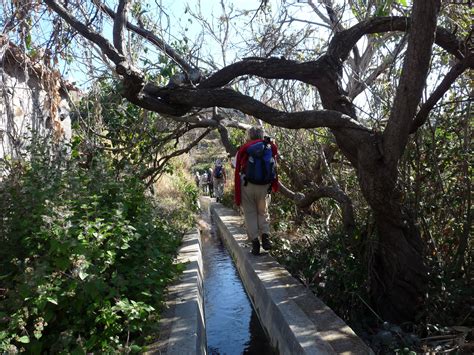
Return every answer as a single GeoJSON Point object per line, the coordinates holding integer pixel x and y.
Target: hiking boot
{"type": "Point", "coordinates": [256, 247]}
{"type": "Point", "coordinates": [266, 243]}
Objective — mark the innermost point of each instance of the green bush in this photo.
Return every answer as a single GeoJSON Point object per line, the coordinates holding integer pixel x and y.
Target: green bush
{"type": "Point", "coordinates": [328, 263]}
{"type": "Point", "coordinates": [84, 260]}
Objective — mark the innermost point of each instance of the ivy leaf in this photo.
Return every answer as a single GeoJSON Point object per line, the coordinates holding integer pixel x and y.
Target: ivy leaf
{"type": "Point", "coordinates": [28, 41]}
{"type": "Point", "coordinates": [136, 348]}
{"type": "Point", "coordinates": [384, 8]}
{"type": "Point", "coordinates": [82, 275]}
{"type": "Point", "coordinates": [24, 339]}
{"type": "Point", "coordinates": [52, 300]}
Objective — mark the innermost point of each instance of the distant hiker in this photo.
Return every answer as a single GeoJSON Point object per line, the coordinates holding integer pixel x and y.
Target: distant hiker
{"type": "Point", "coordinates": [203, 182]}
{"type": "Point", "coordinates": [220, 179]}
{"type": "Point", "coordinates": [197, 178]}
{"type": "Point", "coordinates": [210, 182]}
{"type": "Point", "coordinates": [255, 177]}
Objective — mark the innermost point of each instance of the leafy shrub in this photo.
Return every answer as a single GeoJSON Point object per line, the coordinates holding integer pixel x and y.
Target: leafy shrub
{"type": "Point", "coordinates": [85, 257]}
{"type": "Point", "coordinates": [328, 264]}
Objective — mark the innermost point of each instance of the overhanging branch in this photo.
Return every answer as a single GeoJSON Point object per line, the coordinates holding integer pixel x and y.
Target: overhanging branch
{"type": "Point", "coordinates": [305, 200]}
{"type": "Point", "coordinates": [270, 68]}
{"type": "Point", "coordinates": [229, 98]}
{"type": "Point", "coordinates": [343, 42]}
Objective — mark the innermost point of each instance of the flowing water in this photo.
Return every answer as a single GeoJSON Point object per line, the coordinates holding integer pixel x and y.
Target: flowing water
{"type": "Point", "coordinates": [232, 326]}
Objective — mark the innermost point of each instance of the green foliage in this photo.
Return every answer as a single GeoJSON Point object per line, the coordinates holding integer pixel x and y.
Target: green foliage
{"type": "Point", "coordinates": [436, 175]}
{"type": "Point", "coordinates": [237, 136]}
{"type": "Point", "coordinates": [85, 257]}
{"type": "Point", "coordinates": [378, 8]}
{"type": "Point", "coordinates": [329, 264]}
{"type": "Point", "coordinates": [136, 138]}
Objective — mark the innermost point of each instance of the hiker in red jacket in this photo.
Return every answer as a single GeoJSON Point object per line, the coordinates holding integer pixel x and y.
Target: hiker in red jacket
{"type": "Point", "coordinates": [255, 177]}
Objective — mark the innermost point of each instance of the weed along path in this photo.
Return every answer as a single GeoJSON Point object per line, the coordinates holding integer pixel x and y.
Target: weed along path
{"type": "Point", "coordinates": [232, 326]}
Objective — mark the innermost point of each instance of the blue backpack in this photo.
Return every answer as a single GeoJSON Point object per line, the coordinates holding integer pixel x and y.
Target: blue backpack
{"type": "Point", "coordinates": [218, 174]}
{"type": "Point", "coordinates": [260, 169]}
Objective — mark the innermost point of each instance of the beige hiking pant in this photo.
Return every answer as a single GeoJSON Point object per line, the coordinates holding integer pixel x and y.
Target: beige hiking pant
{"type": "Point", "coordinates": [219, 188]}
{"type": "Point", "coordinates": [255, 200]}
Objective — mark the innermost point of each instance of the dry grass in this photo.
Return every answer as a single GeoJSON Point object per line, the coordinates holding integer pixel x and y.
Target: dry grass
{"type": "Point", "coordinates": [168, 190]}
{"type": "Point", "coordinates": [166, 186]}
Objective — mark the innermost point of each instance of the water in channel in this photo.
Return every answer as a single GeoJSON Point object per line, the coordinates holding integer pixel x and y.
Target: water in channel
{"type": "Point", "coordinates": [232, 326]}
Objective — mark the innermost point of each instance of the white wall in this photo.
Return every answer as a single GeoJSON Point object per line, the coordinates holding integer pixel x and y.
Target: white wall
{"type": "Point", "coordinates": [26, 108]}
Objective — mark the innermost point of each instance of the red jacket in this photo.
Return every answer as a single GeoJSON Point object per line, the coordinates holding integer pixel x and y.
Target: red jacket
{"type": "Point", "coordinates": [241, 163]}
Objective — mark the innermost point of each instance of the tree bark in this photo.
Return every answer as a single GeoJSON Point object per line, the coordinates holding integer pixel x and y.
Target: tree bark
{"type": "Point", "coordinates": [398, 275]}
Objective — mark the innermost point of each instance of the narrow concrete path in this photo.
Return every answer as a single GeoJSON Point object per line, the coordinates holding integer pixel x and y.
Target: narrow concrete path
{"type": "Point", "coordinates": [182, 325]}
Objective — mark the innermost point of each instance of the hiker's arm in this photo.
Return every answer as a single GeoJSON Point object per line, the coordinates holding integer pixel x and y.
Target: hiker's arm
{"type": "Point", "coordinates": [275, 184]}
{"type": "Point", "coordinates": [238, 162]}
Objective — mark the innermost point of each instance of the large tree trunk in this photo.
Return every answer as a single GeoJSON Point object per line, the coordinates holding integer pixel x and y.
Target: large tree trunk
{"type": "Point", "coordinates": [398, 274]}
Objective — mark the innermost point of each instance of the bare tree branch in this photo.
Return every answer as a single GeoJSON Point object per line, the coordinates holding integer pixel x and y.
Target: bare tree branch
{"type": "Point", "coordinates": [133, 78]}
{"type": "Point", "coordinates": [438, 93]}
{"type": "Point", "coordinates": [87, 32]}
{"type": "Point", "coordinates": [229, 98]}
{"type": "Point", "coordinates": [152, 38]}
{"type": "Point", "coordinates": [270, 68]}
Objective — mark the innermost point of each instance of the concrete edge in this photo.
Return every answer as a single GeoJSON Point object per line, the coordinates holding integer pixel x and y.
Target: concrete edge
{"type": "Point", "coordinates": [182, 323]}
{"type": "Point", "coordinates": [296, 321]}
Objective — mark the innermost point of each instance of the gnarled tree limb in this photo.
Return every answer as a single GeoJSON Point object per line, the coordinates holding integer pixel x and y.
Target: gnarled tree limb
{"type": "Point", "coordinates": [119, 24]}
{"type": "Point", "coordinates": [270, 68]}
{"type": "Point", "coordinates": [305, 200]}
{"type": "Point", "coordinates": [412, 80]}
{"type": "Point", "coordinates": [229, 98]}
{"type": "Point", "coordinates": [343, 42]}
